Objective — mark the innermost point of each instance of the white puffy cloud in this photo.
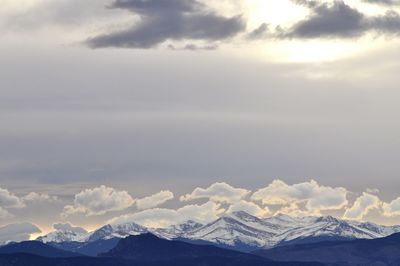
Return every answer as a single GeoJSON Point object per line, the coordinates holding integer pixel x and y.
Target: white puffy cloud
{"type": "Point", "coordinates": [363, 204]}
{"type": "Point", "coordinates": [9, 200]}
{"type": "Point", "coordinates": [392, 209]}
{"type": "Point", "coordinates": [17, 232]}
{"type": "Point", "coordinates": [38, 197]}
{"type": "Point", "coordinates": [159, 218]}
{"type": "Point", "coordinates": [154, 200]}
{"type": "Point", "coordinates": [315, 197]}
{"type": "Point", "coordinates": [98, 201]}
{"type": "Point", "coordinates": [68, 227]}
{"type": "Point", "coordinates": [218, 192]}
{"type": "Point", "coordinates": [249, 207]}
{"type": "Point", "coordinates": [293, 209]}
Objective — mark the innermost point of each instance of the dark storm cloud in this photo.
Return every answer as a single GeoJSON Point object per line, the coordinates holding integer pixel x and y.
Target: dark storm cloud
{"type": "Point", "coordinates": [340, 20]}
{"type": "Point", "coordinates": [162, 20]}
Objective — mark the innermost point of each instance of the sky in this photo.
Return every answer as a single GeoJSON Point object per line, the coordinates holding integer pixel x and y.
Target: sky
{"type": "Point", "coordinates": [158, 111]}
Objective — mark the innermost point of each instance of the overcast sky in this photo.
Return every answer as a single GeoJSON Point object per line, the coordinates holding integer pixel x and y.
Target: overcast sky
{"type": "Point", "coordinates": [119, 100]}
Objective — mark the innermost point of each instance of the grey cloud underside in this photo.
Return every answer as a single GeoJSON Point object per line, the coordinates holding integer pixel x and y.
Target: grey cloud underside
{"type": "Point", "coordinates": [340, 20]}
{"type": "Point", "coordinates": [259, 32]}
{"type": "Point", "coordinates": [168, 20]}
{"type": "Point", "coordinates": [194, 47]}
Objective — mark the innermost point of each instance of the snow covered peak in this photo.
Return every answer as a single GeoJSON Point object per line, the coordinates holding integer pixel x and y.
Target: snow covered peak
{"type": "Point", "coordinates": [176, 231]}
{"type": "Point", "coordinates": [65, 232]}
{"type": "Point", "coordinates": [240, 230]}
{"type": "Point", "coordinates": [60, 236]}
{"type": "Point", "coordinates": [188, 226]}
{"type": "Point", "coordinates": [327, 219]}
{"type": "Point", "coordinates": [233, 231]}
{"type": "Point", "coordinates": [117, 231]}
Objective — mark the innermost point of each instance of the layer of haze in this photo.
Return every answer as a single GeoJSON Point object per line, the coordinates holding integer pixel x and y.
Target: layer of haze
{"type": "Point", "coordinates": [144, 120]}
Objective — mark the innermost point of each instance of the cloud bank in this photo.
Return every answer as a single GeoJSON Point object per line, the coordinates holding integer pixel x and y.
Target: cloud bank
{"type": "Point", "coordinates": [154, 200]}
{"type": "Point", "coordinates": [9, 200]}
{"type": "Point", "coordinates": [299, 199]}
{"type": "Point", "coordinates": [68, 227]}
{"type": "Point", "coordinates": [165, 217]}
{"type": "Point", "coordinates": [362, 206]}
{"type": "Point", "coordinates": [17, 232]}
{"type": "Point", "coordinates": [98, 201]}
{"type": "Point", "coordinates": [315, 197]}
{"type": "Point", "coordinates": [218, 192]}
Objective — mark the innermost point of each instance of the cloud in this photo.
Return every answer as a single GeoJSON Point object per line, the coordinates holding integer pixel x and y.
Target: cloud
{"type": "Point", "coordinates": [39, 14]}
{"type": "Point", "coordinates": [68, 227]}
{"type": "Point", "coordinates": [315, 197]}
{"type": "Point", "coordinates": [259, 32]}
{"type": "Point", "coordinates": [392, 209]}
{"type": "Point", "coordinates": [159, 218]}
{"type": "Point", "coordinates": [373, 191]}
{"type": "Point", "coordinates": [383, 2]}
{"type": "Point", "coordinates": [17, 232]}
{"type": "Point", "coordinates": [218, 192]}
{"type": "Point", "coordinates": [293, 209]}
{"type": "Point", "coordinates": [162, 20]}
{"type": "Point", "coordinates": [38, 197]}
{"type": "Point", "coordinates": [362, 206]}
{"type": "Point", "coordinates": [249, 207]}
{"type": "Point", "coordinates": [328, 20]}
{"type": "Point", "coordinates": [4, 213]}
{"type": "Point", "coordinates": [98, 201]}
{"type": "Point", "coordinates": [194, 47]}
{"type": "Point", "coordinates": [154, 200]}
{"type": "Point", "coordinates": [338, 19]}
{"type": "Point", "coordinates": [9, 200]}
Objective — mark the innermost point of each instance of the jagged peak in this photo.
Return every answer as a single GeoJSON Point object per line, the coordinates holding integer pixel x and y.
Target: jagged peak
{"type": "Point", "coordinates": [245, 215]}
{"type": "Point", "coordinates": [329, 219]}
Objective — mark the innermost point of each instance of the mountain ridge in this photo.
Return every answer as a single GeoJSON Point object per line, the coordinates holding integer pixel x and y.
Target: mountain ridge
{"type": "Point", "coordinates": [365, 252]}
{"type": "Point", "coordinates": [244, 232]}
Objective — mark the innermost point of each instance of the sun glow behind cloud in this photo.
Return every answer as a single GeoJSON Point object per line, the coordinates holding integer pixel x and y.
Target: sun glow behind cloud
{"type": "Point", "coordinates": [284, 14]}
{"type": "Point", "coordinates": [273, 12]}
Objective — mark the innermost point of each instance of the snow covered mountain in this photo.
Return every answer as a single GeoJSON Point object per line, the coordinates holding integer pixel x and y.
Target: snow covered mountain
{"type": "Point", "coordinates": [227, 231]}
{"type": "Point", "coordinates": [323, 228]}
{"type": "Point", "coordinates": [117, 231]}
{"type": "Point", "coordinates": [177, 231]}
{"type": "Point", "coordinates": [60, 236]}
{"type": "Point", "coordinates": [242, 231]}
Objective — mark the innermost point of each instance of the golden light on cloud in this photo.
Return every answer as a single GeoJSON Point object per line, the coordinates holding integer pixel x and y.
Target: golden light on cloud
{"type": "Point", "coordinates": [295, 51]}
{"type": "Point", "coordinates": [285, 13]}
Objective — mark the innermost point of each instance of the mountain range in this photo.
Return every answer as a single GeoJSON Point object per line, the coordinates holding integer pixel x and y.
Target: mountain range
{"type": "Point", "coordinates": [143, 250]}
{"type": "Point", "coordinates": [365, 252]}
{"type": "Point", "coordinates": [239, 230]}
{"type": "Point", "coordinates": [149, 250]}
